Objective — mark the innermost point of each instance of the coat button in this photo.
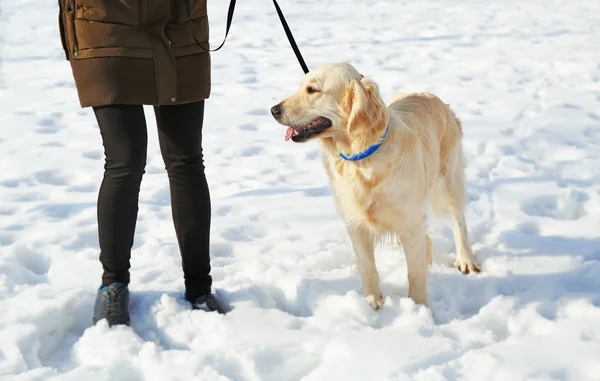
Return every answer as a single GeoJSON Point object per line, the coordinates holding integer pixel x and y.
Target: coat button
{"type": "Point", "coordinates": [75, 54]}
{"type": "Point", "coordinates": [170, 42]}
{"type": "Point", "coordinates": [173, 99]}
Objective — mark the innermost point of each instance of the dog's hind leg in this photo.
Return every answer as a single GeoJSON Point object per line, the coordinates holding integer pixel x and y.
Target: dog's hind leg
{"type": "Point", "coordinates": [465, 259]}
{"type": "Point", "coordinates": [363, 244]}
{"type": "Point", "coordinates": [455, 200]}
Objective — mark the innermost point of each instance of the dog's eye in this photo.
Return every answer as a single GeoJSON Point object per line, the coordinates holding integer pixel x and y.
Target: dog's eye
{"type": "Point", "coordinates": [311, 90]}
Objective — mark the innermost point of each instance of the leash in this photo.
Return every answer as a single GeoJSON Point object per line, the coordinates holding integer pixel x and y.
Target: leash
{"type": "Point", "coordinates": [229, 20]}
{"type": "Point", "coordinates": [290, 37]}
{"type": "Point", "coordinates": [230, 12]}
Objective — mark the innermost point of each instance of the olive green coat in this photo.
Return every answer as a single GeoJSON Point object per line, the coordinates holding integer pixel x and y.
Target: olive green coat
{"type": "Point", "coordinates": [136, 51]}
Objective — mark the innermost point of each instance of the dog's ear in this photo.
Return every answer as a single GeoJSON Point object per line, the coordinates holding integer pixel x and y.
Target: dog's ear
{"type": "Point", "coordinates": [363, 106]}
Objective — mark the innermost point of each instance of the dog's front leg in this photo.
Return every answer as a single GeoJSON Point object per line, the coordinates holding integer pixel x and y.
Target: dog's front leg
{"type": "Point", "coordinates": [414, 241]}
{"type": "Point", "coordinates": [364, 253]}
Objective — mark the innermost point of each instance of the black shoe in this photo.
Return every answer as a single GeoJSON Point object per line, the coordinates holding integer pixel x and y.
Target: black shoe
{"type": "Point", "coordinates": [112, 304]}
{"type": "Point", "coordinates": [208, 303]}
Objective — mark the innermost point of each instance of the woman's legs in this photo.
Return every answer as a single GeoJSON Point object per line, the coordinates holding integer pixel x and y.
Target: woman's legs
{"type": "Point", "coordinates": [124, 136]}
{"type": "Point", "coordinates": [125, 140]}
{"type": "Point", "coordinates": [180, 137]}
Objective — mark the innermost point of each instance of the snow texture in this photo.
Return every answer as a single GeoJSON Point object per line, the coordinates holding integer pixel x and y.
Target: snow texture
{"type": "Point", "coordinates": [524, 77]}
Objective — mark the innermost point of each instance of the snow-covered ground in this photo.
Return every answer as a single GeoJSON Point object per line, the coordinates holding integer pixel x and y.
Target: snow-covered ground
{"type": "Point", "coordinates": [523, 76]}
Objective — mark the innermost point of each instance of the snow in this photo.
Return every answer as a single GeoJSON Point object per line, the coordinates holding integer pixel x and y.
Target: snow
{"type": "Point", "coordinates": [524, 77]}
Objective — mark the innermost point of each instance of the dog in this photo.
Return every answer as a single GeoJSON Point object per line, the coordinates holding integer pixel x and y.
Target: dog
{"type": "Point", "coordinates": [388, 164]}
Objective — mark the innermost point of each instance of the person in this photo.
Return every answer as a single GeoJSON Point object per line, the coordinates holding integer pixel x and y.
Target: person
{"type": "Point", "coordinates": [123, 55]}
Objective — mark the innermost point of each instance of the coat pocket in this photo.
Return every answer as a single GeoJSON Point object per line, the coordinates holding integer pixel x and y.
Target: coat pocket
{"type": "Point", "coordinates": [109, 29]}
{"type": "Point", "coordinates": [181, 34]}
{"type": "Point", "coordinates": [99, 39]}
{"type": "Point", "coordinates": [181, 37]}
{"type": "Point", "coordinates": [181, 29]}
{"type": "Point", "coordinates": [122, 12]}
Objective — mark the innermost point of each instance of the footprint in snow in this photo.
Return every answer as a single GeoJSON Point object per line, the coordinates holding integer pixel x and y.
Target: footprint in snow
{"type": "Point", "coordinates": [312, 155]}
{"type": "Point", "coordinates": [593, 116]}
{"type": "Point", "coordinates": [592, 134]}
{"type": "Point", "coordinates": [529, 228]}
{"type": "Point", "coordinates": [317, 192]}
{"type": "Point", "coordinates": [243, 233]}
{"type": "Point", "coordinates": [94, 155]}
{"type": "Point", "coordinates": [53, 144]}
{"type": "Point", "coordinates": [14, 228]}
{"type": "Point", "coordinates": [63, 84]}
{"type": "Point", "coordinates": [64, 210]}
{"type": "Point", "coordinates": [247, 127]}
{"type": "Point", "coordinates": [49, 125]}
{"type": "Point", "coordinates": [221, 249]}
{"type": "Point", "coordinates": [87, 238]}
{"type": "Point", "coordinates": [83, 188]}
{"type": "Point", "coordinates": [565, 207]}
{"type": "Point", "coordinates": [6, 211]}
{"type": "Point", "coordinates": [30, 197]}
{"type": "Point", "coordinates": [252, 151]}
{"type": "Point", "coordinates": [32, 261]}
{"type": "Point", "coordinates": [224, 211]}
{"type": "Point", "coordinates": [6, 239]}
{"type": "Point", "coordinates": [50, 177]}
{"type": "Point", "coordinates": [10, 183]}
{"type": "Point", "coordinates": [258, 112]}
{"type": "Point", "coordinates": [251, 79]}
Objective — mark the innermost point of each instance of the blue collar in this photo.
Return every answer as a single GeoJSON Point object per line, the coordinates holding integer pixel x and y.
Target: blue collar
{"type": "Point", "coordinates": [369, 151]}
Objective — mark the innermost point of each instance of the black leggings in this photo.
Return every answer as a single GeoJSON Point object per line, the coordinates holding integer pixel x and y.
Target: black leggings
{"type": "Point", "coordinates": [125, 139]}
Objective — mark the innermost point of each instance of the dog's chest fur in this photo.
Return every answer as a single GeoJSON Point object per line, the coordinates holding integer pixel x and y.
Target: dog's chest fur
{"type": "Point", "coordinates": [361, 194]}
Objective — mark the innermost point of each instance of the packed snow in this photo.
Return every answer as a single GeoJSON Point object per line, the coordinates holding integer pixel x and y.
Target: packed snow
{"type": "Point", "coordinates": [524, 77]}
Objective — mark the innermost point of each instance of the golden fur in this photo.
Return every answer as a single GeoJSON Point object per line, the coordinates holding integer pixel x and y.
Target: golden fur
{"type": "Point", "coordinates": [387, 194]}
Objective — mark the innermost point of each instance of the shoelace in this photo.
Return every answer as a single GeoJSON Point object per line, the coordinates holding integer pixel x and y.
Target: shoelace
{"type": "Point", "coordinates": [113, 307]}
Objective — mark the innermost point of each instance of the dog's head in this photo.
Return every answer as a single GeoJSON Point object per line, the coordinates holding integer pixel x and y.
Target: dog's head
{"type": "Point", "coordinates": [333, 101]}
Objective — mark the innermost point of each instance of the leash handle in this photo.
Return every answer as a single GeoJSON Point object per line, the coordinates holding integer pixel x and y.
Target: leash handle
{"type": "Point", "coordinates": [230, 12]}
{"type": "Point", "coordinates": [290, 37]}
{"type": "Point", "coordinates": [229, 21]}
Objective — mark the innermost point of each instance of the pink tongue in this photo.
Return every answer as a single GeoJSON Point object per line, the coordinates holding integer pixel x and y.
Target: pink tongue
{"type": "Point", "coordinates": [289, 133]}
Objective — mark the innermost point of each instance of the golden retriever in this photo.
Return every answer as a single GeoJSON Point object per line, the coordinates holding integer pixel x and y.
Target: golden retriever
{"type": "Point", "coordinates": [407, 157]}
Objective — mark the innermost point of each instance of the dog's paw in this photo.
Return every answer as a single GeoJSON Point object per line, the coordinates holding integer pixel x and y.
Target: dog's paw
{"type": "Point", "coordinates": [467, 265]}
{"type": "Point", "coordinates": [376, 302]}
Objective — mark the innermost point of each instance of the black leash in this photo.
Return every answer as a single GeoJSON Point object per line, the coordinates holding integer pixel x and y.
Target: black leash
{"type": "Point", "coordinates": [290, 37]}
{"type": "Point", "coordinates": [229, 20]}
{"type": "Point", "coordinates": [230, 12]}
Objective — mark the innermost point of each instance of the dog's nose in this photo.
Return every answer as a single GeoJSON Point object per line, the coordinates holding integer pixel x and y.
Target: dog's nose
{"type": "Point", "coordinates": [276, 111]}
